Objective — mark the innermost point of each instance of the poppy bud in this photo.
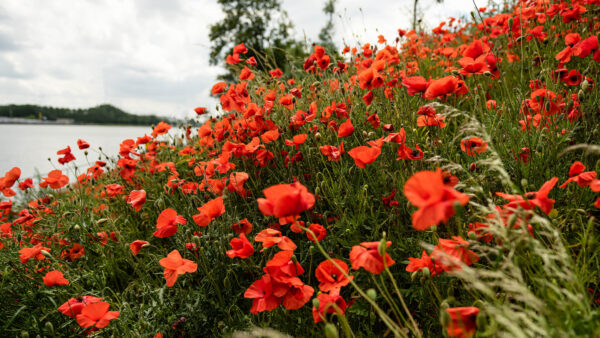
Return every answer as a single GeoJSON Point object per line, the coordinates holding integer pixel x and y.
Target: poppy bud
{"type": "Point", "coordinates": [487, 73]}
{"type": "Point", "coordinates": [372, 294]}
{"type": "Point", "coordinates": [444, 305]}
{"type": "Point", "coordinates": [382, 246]}
{"type": "Point", "coordinates": [510, 23]}
{"type": "Point", "coordinates": [46, 253]}
{"type": "Point", "coordinates": [331, 331]}
{"type": "Point", "coordinates": [455, 72]}
{"type": "Point", "coordinates": [364, 134]}
{"type": "Point", "coordinates": [24, 334]}
{"type": "Point", "coordinates": [85, 153]}
{"type": "Point", "coordinates": [311, 249]}
{"type": "Point", "coordinates": [77, 227]}
{"type": "Point", "coordinates": [101, 220]}
{"type": "Point", "coordinates": [294, 259]}
{"type": "Point", "coordinates": [472, 235]}
{"type": "Point", "coordinates": [49, 328]}
{"type": "Point", "coordinates": [426, 272]}
{"type": "Point", "coordinates": [414, 275]}
{"type": "Point", "coordinates": [196, 239]}
{"type": "Point", "coordinates": [580, 94]}
{"type": "Point", "coordinates": [371, 134]}
{"type": "Point", "coordinates": [317, 136]}
{"type": "Point", "coordinates": [585, 84]}
{"type": "Point", "coordinates": [444, 317]}
{"type": "Point", "coordinates": [480, 321]}
{"type": "Point", "coordinates": [315, 303]}
{"type": "Point", "coordinates": [49, 160]}
{"type": "Point", "coordinates": [512, 220]}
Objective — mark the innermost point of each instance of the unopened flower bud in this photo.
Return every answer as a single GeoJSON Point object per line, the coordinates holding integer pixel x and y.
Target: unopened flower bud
{"type": "Point", "coordinates": [585, 84]}
{"type": "Point", "coordinates": [472, 235]}
{"type": "Point", "coordinates": [315, 303]}
{"type": "Point", "coordinates": [372, 294]}
{"type": "Point", "coordinates": [331, 331]}
{"type": "Point", "coordinates": [46, 253]}
{"type": "Point", "coordinates": [426, 272]}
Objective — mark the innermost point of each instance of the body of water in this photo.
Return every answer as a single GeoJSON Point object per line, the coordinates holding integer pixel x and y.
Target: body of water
{"type": "Point", "coordinates": [29, 146]}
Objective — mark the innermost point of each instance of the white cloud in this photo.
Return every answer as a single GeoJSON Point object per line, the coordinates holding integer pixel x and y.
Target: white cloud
{"type": "Point", "coordinates": [151, 56]}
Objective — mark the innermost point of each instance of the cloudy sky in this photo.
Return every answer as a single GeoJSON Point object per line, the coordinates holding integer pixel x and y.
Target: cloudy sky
{"type": "Point", "coordinates": [151, 56]}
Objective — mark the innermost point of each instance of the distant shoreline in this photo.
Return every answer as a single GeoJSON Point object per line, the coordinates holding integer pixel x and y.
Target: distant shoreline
{"type": "Point", "coordinates": [65, 122]}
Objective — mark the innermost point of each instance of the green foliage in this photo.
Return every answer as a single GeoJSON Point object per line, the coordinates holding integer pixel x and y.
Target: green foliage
{"type": "Point", "coordinates": [262, 26]}
{"type": "Point", "coordinates": [102, 114]}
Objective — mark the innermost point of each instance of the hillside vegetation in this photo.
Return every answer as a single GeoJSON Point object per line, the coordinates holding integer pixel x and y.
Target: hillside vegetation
{"type": "Point", "coordinates": [102, 114]}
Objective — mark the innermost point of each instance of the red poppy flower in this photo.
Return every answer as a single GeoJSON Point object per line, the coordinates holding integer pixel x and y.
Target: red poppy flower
{"type": "Point", "coordinates": [296, 141]}
{"type": "Point", "coordinates": [318, 230]}
{"type": "Point", "coordinates": [330, 276]}
{"type": "Point", "coordinates": [462, 321]}
{"type": "Point", "coordinates": [55, 180]}
{"type": "Point", "coordinates": [33, 252]}
{"type": "Point", "coordinates": [366, 255]}
{"type": "Point", "coordinates": [209, 211]}
{"type": "Point", "coordinates": [242, 227]}
{"type": "Point", "coordinates": [435, 200]}
{"type": "Point", "coordinates": [96, 315]}
{"type": "Point", "coordinates": [82, 144]}
{"type": "Point", "coordinates": [451, 253]}
{"type": "Point", "coordinates": [415, 85]}
{"type": "Point", "coordinates": [425, 262]}
{"type": "Point", "coordinates": [532, 199]}
{"type": "Point", "coordinates": [345, 129]}
{"type": "Point", "coordinates": [175, 265]}
{"type": "Point", "coordinates": [270, 237]}
{"type": "Point", "coordinates": [473, 145]}
{"type": "Point", "coordinates": [136, 246]}
{"type": "Point", "coordinates": [55, 277]}
{"type": "Point", "coordinates": [241, 247]}
{"type": "Point", "coordinates": [113, 190]}
{"type": "Point", "coordinates": [577, 174]}
{"type": "Point", "coordinates": [73, 306]}
{"type": "Point", "coordinates": [364, 155]}
{"type": "Point", "coordinates": [68, 156]}
{"type": "Point", "coordinates": [160, 129]}
{"type": "Point", "coordinates": [8, 181]}
{"type": "Point", "coordinates": [218, 88]}
{"type": "Point", "coordinates": [284, 200]}
{"type": "Point", "coordinates": [333, 153]}
{"type": "Point", "coordinates": [261, 291]}
{"type": "Point", "coordinates": [166, 223]}
{"type": "Point", "coordinates": [200, 110]}
{"type": "Point", "coordinates": [326, 302]}
{"type": "Point", "coordinates": [26, 184]}
{"type": "Point", "coordinates": [136, 199]}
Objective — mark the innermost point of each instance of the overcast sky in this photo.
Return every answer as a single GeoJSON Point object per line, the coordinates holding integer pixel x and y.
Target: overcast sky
{"type": "Point", "coordinates": [151, 56]}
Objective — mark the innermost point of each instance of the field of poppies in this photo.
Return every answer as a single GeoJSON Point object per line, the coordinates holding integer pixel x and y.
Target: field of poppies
{"type": "Point", "coordinates": [440, 183]}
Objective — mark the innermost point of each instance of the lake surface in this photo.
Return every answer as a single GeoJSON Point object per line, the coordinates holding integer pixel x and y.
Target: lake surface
{"type": "Point", "coordinates": [29, 146]}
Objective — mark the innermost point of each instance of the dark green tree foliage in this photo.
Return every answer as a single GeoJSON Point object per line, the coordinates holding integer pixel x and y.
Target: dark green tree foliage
{"type": "Point", "coordinates": [103, 114]}
{"type": "Point", "coordinates": [326, 33]}
{"type": "Point", "coordinates": [262, 26]}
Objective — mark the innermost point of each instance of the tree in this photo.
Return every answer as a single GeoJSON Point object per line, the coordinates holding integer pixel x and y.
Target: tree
{"type": "Point", "coordinates": [418, 15]}
{"type": "Point", "coordinates": [326, 33]}
{"type": "Point", "coordinates": [262, 26]}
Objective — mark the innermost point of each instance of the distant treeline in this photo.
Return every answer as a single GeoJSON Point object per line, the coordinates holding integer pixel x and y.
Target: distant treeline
{"type": "Point", "coordinates": [103, 114]}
